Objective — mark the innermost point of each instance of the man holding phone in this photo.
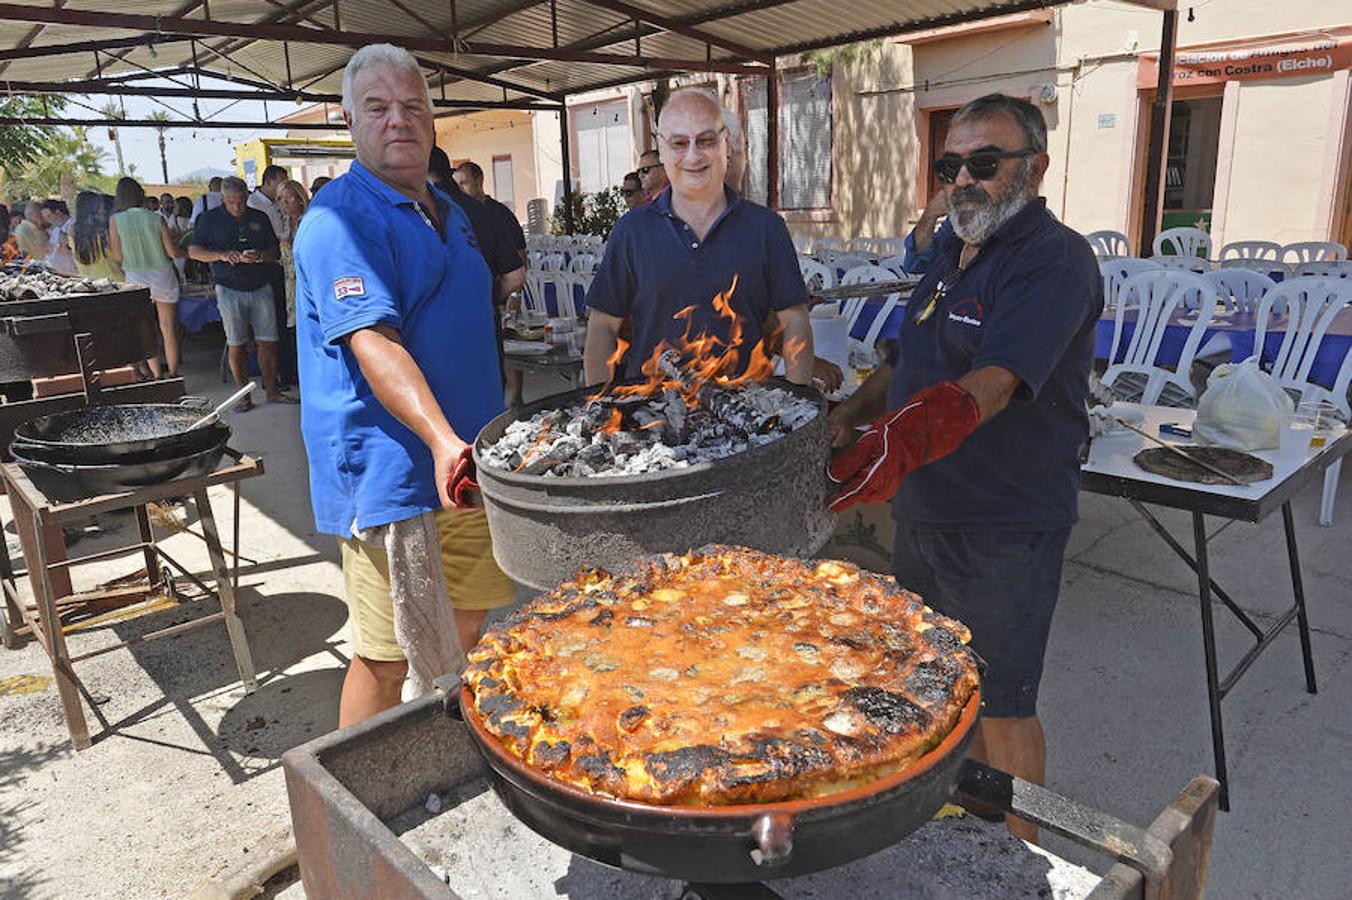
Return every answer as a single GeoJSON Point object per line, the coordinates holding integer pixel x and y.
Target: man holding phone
{"type": "Point", "coordinates": [238, 241]}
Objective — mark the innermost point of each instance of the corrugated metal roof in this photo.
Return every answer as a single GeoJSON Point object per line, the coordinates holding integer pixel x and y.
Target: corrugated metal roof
{"type": "Point", "coordinates": [767, 27]}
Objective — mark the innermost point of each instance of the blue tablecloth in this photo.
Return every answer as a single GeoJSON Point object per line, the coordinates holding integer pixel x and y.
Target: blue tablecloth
{"type": "Point", "coordinates": [197, 311]}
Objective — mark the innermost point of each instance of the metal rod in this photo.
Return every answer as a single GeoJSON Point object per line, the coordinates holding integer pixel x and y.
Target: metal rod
{"type": "Point", "coordinates": [772, 138]}
{"type": "Point", "coordinates": [1161, 111]}
{"type": "Point", "coordinates": [1230, 680]}
{"type": "Point", "coordinates": [1183, 554]}
{"type": "Point", "coordinates": [168, 631]}
{"type": "Point", "coordinates": [674, 26]}
{"type": "Point", "coordinates": [1179, 451]}
{"type": "Point", "coordinates": [1209, 648]}
{"type": "Point", "coordinates": [102, 554]}
{"type": "Point", "coordinates": [1298, 588]}
{"type": "Point", "coordinates": [567, 171]}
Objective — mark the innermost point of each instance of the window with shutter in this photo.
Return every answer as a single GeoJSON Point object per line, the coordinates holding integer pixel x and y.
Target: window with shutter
{"type": "Point", "coordinates": [601, 133]}
{"type": "Point", "coordinates": [804, 141]}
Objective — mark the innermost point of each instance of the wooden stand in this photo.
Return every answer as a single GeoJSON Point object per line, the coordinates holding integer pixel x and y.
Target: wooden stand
{"type": "Point", "coordinates": [36, 518]}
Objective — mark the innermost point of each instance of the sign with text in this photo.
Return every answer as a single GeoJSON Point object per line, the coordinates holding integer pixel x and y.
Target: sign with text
{"type": "Point", "coordinates": [1316, 55]}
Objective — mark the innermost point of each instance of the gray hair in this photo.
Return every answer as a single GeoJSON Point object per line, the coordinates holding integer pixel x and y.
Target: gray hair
{"type": "Point", "coordinates": [233, 185]}
{"type": "Point", "coordinates": [379, 55]}
{"type": "Point", "coordinates": [1028, 116]}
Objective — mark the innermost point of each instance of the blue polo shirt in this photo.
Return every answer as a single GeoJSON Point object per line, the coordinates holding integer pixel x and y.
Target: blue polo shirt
{"type": "Point", "coordinates": [216, 229]}
{"type": "Point", "coordinates": [1029, 303]}
{"type": "Point", "coordinates": [366, 256]}
{"type": "Point", "coordinates": [655, 266]}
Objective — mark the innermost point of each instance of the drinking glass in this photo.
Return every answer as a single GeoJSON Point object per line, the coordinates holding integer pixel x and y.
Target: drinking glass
{"type": "Point", "coordinates": [1295, 437]}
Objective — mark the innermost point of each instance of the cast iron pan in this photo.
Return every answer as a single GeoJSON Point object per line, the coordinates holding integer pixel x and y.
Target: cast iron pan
{"type": "Point", "coordinates": [117, 430]}
{"type": "Point", "coordinates": [728, 844]}
{"type": "Point", "coordinates": [66, 483]}
{"type": "Point", "coordinates": [185, 444]}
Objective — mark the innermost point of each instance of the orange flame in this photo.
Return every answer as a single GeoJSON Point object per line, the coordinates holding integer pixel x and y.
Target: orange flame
{"type": "Point", "coordinates": [621, 345]}
{"type": "Point", "coordinates": [706, 358]}
{"type": "Point", "coordinates": [613, 423]}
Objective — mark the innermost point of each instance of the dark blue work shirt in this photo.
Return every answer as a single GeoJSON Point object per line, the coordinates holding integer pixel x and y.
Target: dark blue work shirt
{"type": "Point", "coordinates": [655, 266]}
{"type": "Point", "coordinates": [217, 230]}
{"type": "Point", "coordinates": [1028, 303]}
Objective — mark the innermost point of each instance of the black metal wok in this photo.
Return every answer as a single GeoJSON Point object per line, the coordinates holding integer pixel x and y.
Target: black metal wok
{"type": "Point", "coordinates": [728, 844]}
{"type": "Point", "coordinates": [107, 433]}
{"type": "Point", "coordinates": [67, 483]}
{"type": "Point", "coordinates": [186, 444]}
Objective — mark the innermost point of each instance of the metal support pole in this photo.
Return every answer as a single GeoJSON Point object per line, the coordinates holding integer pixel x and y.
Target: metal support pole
{"type": "Point", "coordinates": [772, 137]}
{"type": "Point", "coordinates": [568, 223]}
{"type": "Point", "coordinates": [1298, 588]}
{"type": "Point", "coordinates": [1213, 693]}
{"type": "Point", "coordinates": [1152, 204]}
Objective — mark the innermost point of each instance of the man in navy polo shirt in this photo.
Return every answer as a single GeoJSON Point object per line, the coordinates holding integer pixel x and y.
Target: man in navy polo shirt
{"type": "Point", "coordinates": [397, 356]}
{"type": "Point", "coordinates": [687, 246]}
{"type": "Point", "coordinates": [983, 415]}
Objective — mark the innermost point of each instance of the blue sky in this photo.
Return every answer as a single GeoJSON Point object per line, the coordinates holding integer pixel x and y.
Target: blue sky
{"type": "Point", "coordinates": [186, 149]}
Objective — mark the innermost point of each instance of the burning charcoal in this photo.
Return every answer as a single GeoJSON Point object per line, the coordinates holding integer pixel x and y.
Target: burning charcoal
{"type": "Point", "coordinates": [674, 408]}
{"type": "Point", "coordinates": [596, 456]}
{"type": "Point", "coordinates": [652, 421]}
{"type": "Point", "coordinates": [732, 409]}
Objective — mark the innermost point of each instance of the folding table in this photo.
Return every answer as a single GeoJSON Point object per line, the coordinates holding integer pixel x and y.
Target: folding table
{"type": "Point", "coordinates": [1110, 470]}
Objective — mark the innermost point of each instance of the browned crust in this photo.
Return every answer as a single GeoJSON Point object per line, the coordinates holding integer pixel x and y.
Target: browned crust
{"type": "Point", "coordinates": [722, 676]}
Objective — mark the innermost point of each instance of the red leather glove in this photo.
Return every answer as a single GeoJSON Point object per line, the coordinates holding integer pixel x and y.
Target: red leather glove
{"type": "Point", "coordinates": [464, 490]}
{"type": "Point", "coordinates": [929, 426]}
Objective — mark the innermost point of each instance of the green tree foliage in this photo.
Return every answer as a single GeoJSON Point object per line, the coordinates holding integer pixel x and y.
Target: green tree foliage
{"type": "Point", "coordinates": [65, 160]}
{"type": "Point", "coordinates": [20, 144]}
{"type": "Point", "coordinates": [592, 213]}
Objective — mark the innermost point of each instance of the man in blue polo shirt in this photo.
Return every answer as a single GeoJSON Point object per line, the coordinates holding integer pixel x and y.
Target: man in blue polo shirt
{"type": "Point", "coordinates": [397, 356]}
{"type": "Point", "coordinates": [687, 246]}
{"type": "Point", "coordinates": [1000, 335]}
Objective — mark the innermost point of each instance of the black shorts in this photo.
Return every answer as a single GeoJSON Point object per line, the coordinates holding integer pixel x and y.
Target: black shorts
{"type": "Point", "coordinates": [1000, 584]}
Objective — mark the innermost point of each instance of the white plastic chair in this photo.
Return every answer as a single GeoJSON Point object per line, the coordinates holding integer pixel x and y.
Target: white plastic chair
{"type": "Point", "coordinates": [583, 262]}
{"type": "Point", "coordinates": [861, 245]}
{"type": "Point", "coordinates": [1312, 304]}
{"type": "Point", "coordinates": [533, 305]}
{"type": "Point", "coordinates": [891, 246]}
{"type": "Point", "coordinates": [1261, 266]}
{"type": "Point", "coordinates": [812, 271]}
{"type": "Point", "coordinates": [1268, 250]}
{"type": "Point", "coordinates": [1303, 252]}
{"type": "Point", "coordinates": [553, 262]}
{"type": "Point", "coordinates": [1115, 273]}
{"type": "Point", "coordinates": [828, 243]}
{"type": "Point", "coordinates": [1240, 289]}
{"type": "Point", "coordinates": [802, 243]}
{"type": "Point", "coordinates": [1156, 296]}
{"type": "Point", "coordinates": [851, 261]}
{"type": "Point", "coordinates": [1182, 242]}
{"type": "Point", "coordinates": [1328, 269]}
{"type": "Point", "coordinates": [1186, 263]}
{"type": "Point", "coordinates": [894, 264]}
{"type": "Point", "coordinates": [852, 308]}
{"type": "Point", "coordinates": [1109, 244]}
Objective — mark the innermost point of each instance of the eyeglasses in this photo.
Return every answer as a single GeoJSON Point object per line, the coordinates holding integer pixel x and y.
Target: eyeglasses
{"type": "Point", "coordinates": [704, 141]}
{"type": "Point", "coordinates": [981, 165]}
{"type": "Point", "coordinates": [946, 284]}
{"type": "Point", "coordinates": [644, 170]}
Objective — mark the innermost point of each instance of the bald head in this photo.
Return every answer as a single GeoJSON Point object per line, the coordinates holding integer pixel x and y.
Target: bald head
{"type": "Point", "coordinates": [693, 143]}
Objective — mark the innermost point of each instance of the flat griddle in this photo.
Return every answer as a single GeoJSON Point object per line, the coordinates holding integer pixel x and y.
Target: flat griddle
{"type": "Point", "coordinates": [1244, 467]}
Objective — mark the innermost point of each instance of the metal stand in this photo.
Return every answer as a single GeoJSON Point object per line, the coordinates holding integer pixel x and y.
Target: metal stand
{"type": "Point", "coordinates": [35, 515]}
{"type": "Point", "coordinates": [1216, 686]}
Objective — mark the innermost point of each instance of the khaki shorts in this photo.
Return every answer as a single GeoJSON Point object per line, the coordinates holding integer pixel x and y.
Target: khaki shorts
{"type": "Point", "coordinates": [473, 578]}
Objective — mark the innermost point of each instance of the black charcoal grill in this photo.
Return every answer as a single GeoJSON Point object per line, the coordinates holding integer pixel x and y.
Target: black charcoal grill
{"type": "Point", "coordinates": [771, 497]}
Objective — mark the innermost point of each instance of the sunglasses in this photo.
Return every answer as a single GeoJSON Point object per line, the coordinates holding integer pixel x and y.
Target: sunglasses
{"type": "Point", "coordinates": [644, 170]}
{"type": "Point", "coordinates": [941, 290]}
{"type": "Point", "coordinates": [628, 192]}
{"type": "Point", "coordinates": [981, 165]}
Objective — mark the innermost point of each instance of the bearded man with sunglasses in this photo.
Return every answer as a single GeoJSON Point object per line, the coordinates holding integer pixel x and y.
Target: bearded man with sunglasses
{"type": "Point", "coordinates": [667, 260]}
{"type": "Point", "coordinates": [979, 414]}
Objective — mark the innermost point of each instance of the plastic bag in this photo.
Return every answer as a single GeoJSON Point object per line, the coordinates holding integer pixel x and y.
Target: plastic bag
{"type": "Point", "coordinates": [1242, 407]}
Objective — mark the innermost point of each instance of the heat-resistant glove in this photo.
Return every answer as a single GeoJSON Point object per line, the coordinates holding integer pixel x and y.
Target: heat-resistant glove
{"type": "Point", "coordinates": [462, 487]}
{"type": "Point", "coordinates": [929, 426]}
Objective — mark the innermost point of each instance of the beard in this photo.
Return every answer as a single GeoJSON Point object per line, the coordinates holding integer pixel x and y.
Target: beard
{"type": "Point", "coordinates": [975, 216]}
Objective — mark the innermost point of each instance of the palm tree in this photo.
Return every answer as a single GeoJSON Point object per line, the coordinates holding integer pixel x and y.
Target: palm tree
{"type": "Point", "coordinates": [160, 115]}
{"type": "Point", "coordinates": [113, 111]}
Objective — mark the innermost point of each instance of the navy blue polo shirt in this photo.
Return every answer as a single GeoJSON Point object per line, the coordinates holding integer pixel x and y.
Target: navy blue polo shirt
{"type": "Point", "coordinates": [495, 244]}
{"type": "Point", "coordinates": [366, 255]}
{"type": "Point", "coordinates": [655, 266]}
{"type": "Point", "coordinates": [217, 230]}
{"type": "Point", "coordinates": [1029, 303]}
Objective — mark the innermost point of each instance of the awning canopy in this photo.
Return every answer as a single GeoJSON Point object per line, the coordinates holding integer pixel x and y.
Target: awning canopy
{"type": "Point", "coordinates": [477, 53]}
